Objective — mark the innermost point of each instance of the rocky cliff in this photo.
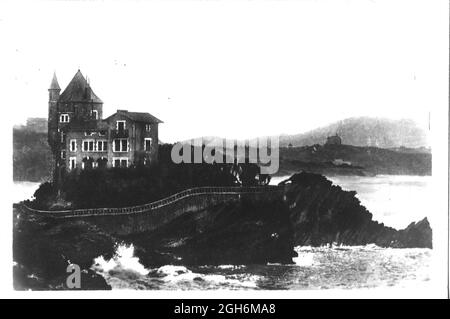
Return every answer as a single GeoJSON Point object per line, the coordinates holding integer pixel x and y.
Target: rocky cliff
{"type": "Point", "coordinates": [236, 232]}
{"type": "Point", "coordinates": [322, 213]}
{"type": "Point", "coordinates": [244, 232]}
{"type": "Point", "coordinates": [43, 248]}
{"type": "Point", "coordinates": [312, 211]}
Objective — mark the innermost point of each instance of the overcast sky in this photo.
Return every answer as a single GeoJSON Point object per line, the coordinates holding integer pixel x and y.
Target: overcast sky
{"type": "Point", "coordinates": [233, 69]}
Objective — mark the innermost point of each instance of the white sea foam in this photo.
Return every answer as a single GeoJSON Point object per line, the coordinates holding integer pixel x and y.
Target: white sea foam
{"type": "Point", "coordinates": [304, 259]}
{"type": "Point", "coordinates": [178, 274]}
{"type": "Point", "coordinates": [315, 268]}
{"type": "Point", "coordinates": [124, 271]}
{"type": "Point", "coordinates": [231, 266]}
{"type": "Point", "coordinates": [123, 260]}
{"type": "Point", "coordinates": [329, 266]}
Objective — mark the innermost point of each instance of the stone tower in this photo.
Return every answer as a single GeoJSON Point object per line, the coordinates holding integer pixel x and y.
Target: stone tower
{"type": "Point", "coordinates": [76, 108]}
{"type": "Point", "coordinates": [53, 135]}
{"type": "Point", "coordinates": [53, 97]}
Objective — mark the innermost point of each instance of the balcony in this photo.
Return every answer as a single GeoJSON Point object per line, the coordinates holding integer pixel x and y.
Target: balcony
{"type": "Point", "coordinates": [119, 134]}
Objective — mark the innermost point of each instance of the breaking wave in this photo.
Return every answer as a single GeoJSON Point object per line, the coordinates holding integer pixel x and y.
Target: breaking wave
{"type": "Point", "coordinates": [124, 271]}
{"type": "Point", "coordinates": [338, 266]}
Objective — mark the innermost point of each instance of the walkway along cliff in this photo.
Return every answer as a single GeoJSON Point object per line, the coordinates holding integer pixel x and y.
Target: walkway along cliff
{"type": "Point", "coordinates": [207, 225]}
{"type": "Point", "coordinates": [148, 217]}
{"type": "Point", "coordinates": [321, 213]}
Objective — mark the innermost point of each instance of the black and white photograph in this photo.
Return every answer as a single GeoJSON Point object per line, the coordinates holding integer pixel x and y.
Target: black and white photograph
{"type": "Point", "coordinates": [217, 149]}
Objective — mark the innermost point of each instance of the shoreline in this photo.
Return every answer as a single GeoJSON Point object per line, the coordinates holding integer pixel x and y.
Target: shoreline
{"type": "Point", "coordinates": [312, 213]}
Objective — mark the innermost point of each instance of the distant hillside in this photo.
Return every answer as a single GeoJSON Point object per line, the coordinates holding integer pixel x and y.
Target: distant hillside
{"type": "Point", "coordinates": [353, 160]}
{"type": "Point", "coordinates": [404, 150]}
{"type": "Point", "coordinates": [32, 158]}
{"type": "Point", "coordinates": [364, 131]}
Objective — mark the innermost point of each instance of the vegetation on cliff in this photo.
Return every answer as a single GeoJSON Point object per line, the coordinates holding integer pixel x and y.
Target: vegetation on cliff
{"type": "Point", "coordinates": [121, 187]}
{"type": "Point", "coordinates": [312, 212]}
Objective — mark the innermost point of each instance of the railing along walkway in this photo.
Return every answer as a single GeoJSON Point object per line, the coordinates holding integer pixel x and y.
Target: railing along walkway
{"type": "Point", "coordinates": [198, 191]}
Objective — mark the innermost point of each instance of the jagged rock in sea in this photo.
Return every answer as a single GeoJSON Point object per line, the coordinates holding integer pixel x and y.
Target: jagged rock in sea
{"type": "Point", "coordinates": [322, 213]}
{"type": "Point", "coordinates": [415, 235]}
{"type": "Point", "coordinates": [236, 232]}
{"type": "Point", "coordinates": [311, 211]}
{"type": "Point", "coordinates": [43, 248]}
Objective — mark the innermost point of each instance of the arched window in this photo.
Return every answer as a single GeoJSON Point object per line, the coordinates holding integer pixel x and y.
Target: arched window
{"type": "Point", "coordinates": [88, 162]}
{"type": "Point", "coordinates": [64, 118]}
{"type": "Point", "coordinates": [101, 162]}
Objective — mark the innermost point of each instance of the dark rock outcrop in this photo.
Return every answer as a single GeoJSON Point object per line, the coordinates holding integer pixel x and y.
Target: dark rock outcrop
{"type": "Point", "coordinates": [322, 213]}
{"type": "Point", "coordinates": [244, 232]}
{"type": "Point", "coordinates": [43, 248]}
{"type": "Point", "coordinates": [415, 235]}
{"type": "Point", "coordinates": [312, 211]}
{"type": "Point", "coordinates": [237, 232]}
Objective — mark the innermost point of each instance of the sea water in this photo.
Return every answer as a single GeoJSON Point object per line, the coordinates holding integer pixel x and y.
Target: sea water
{"type": "Point", "coordinates": [315, 268]}
{"type": "Point", "coordinates": [394, 200]}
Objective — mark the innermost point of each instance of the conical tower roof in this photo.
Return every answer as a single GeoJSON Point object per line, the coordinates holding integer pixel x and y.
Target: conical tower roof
{"type": "Point", "coordinates": [79, 90]}
{"type": "Point", "coordinates": [54, 85]}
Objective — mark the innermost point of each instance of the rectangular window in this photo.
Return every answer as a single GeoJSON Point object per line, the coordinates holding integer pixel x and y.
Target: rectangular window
{"type": "Point", "coordinates": [102, 146]}
{"type": "Point", "coordinates": [95, 114]}
{"type": "Point", "coordinates": [64, 118]}
{"type": "Point", "coordinates": [120, 125]}
{"type": "Point", "coordinates": [147, 144]}
{"type": "Point", "coordinates": [63, 154]}
{"type": "Point", "coordinates": [147, 127]}
{"type": "Point", "coordinates": [73, 145]}
{"type": "Point", "coordinates": [120, 145]}
{"type": "Point", "coordinates": [88, 146]}
{"type": "Point", "coordinates": [120, 161]}
{"type": "Point", "coordinates": [72, 162]}
{"type": "Point", "coordinates": [63, 137]}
